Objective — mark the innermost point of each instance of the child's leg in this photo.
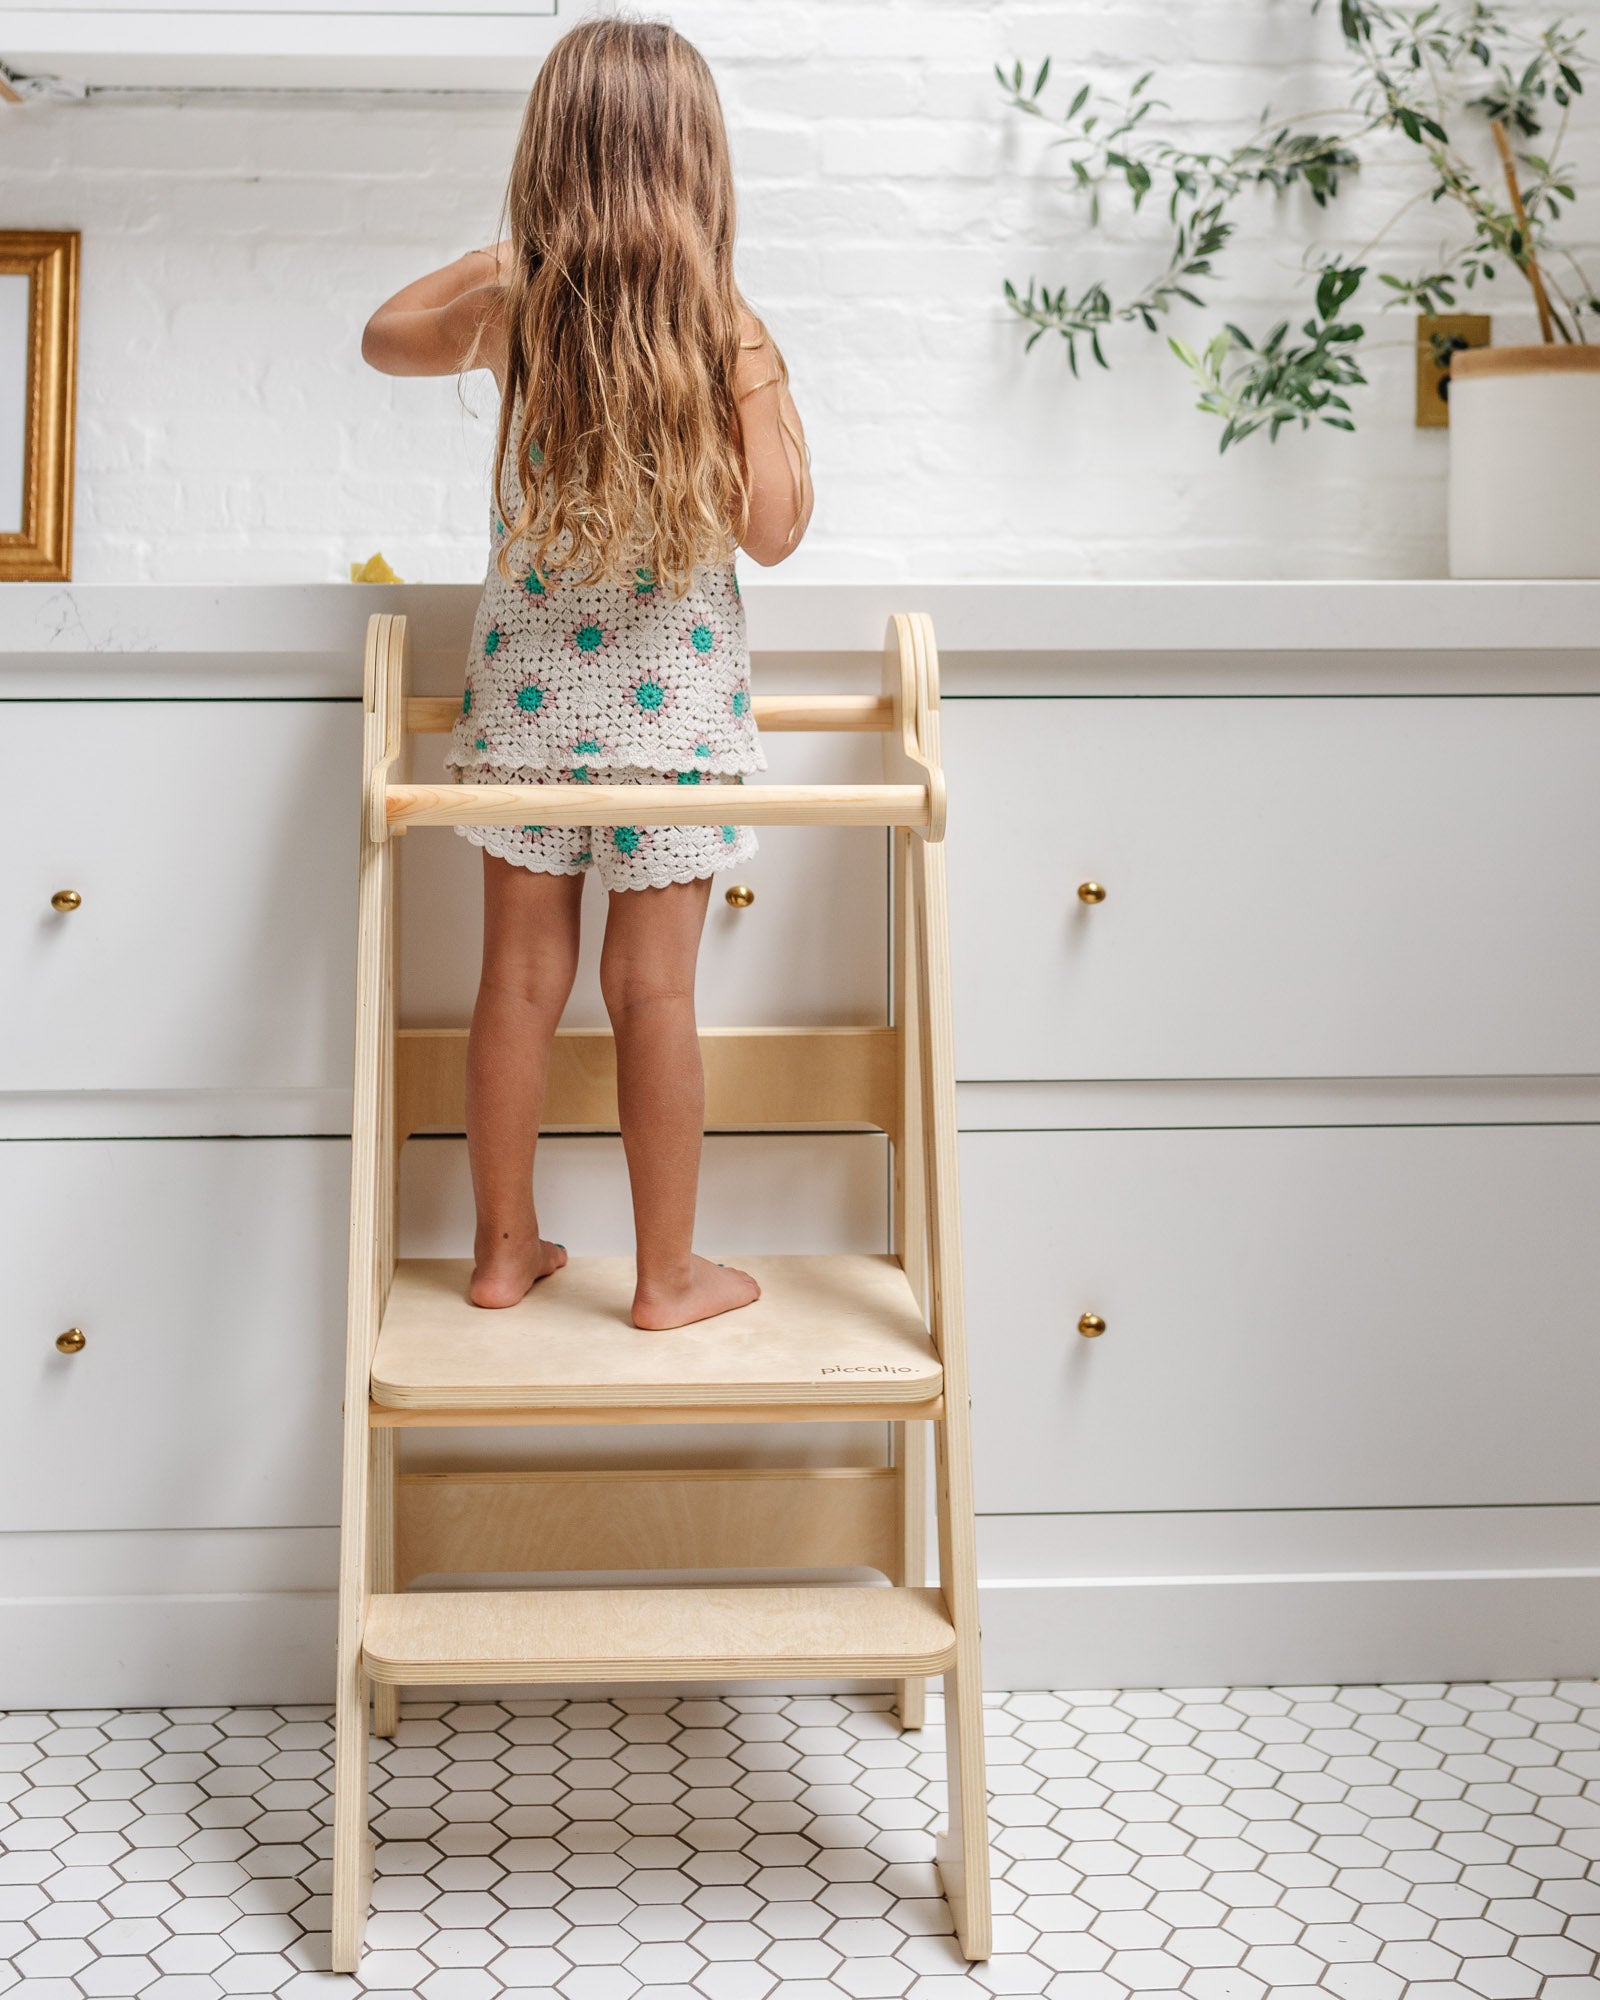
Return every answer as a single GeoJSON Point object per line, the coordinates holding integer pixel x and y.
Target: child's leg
{"type": "Point", "coordinates": [530, 954]}
{"type": "Point", "coordinates": [647, 978]}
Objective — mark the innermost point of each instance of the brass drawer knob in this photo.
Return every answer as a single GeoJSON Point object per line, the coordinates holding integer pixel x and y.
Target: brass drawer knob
{"type": "Point", "coordinates": [1091, 1325]}
{"type": "Point", "coordinates": [72, 1341]}
{"type": "Point", "coordinates": [740, 896]}
{"type": "Point", "coordinates": [1091, 892]}
{"type": "Point", "coordinates": [66, 899]}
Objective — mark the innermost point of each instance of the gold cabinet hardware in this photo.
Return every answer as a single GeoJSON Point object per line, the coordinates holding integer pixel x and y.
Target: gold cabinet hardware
{"type": "Point", "coordinates": [1091, 892]}
{"type": "Point", "coordinates": [740, 896]}
{"type": "Point", "coordinates": [66, 899]}
{"type": "Point", "coordinates": [1091, 1325]}
{"type": "Point", "coordinates": [72, 1341]}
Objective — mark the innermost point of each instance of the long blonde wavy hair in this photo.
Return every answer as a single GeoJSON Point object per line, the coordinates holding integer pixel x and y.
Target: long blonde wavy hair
{"type": "Point", "coordinates": [623, 322]}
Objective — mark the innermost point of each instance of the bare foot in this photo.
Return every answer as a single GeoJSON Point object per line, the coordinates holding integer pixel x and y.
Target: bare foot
{"type": "Point", "coordinates": [711, 1289]}
{"type": "Point", "coordinates": [510, 1271]}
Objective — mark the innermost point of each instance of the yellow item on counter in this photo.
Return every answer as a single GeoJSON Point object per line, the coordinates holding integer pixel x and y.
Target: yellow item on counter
{"type": "Point", "coordinates": [373, 570]}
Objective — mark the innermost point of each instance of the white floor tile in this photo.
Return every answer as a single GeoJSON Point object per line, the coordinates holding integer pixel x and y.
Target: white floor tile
{"type": "Point", "coordinates": [1403, 1843]}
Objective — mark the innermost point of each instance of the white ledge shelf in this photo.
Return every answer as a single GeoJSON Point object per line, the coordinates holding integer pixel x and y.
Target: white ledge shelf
{"type": "Point", "coordinates": [490, 45]}
{"type": "Point", "coordinates": [166, 640]}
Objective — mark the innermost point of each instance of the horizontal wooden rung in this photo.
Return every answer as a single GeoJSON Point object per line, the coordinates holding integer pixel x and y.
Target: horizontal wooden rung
{"type": "Point", "coordinates": [815, 1632]}
{"type": "Point", "coordinates": [656, 805]}
{"type": "Point", "coordinates": [674, 1518]}
{"type": "Point", "coordinates": [382, 1418]}
{"type": "Point", "coordinates": [434, 715]}
{"type": "Point", "coordinates": [754, 1077]}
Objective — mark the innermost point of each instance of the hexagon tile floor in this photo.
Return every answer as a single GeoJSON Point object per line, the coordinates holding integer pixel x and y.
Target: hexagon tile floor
{"type": "Point", "coordinates": [1431, 1842]}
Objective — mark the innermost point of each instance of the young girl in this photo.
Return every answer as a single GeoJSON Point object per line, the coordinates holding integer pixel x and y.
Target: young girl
{"type": "Point", "coordinates": [646, 431]}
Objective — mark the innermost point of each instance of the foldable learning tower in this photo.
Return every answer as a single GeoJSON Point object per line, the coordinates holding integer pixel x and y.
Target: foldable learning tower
{"type": "Point", "coordinates": [841, 1338]}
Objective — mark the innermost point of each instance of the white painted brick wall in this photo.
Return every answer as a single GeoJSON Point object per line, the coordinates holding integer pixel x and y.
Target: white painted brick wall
{"type": "Point", "coordinates": [234, 245]}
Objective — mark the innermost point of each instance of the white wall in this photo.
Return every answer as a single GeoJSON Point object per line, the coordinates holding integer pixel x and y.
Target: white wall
{"type": "Point", "coordinates": [233, 246]}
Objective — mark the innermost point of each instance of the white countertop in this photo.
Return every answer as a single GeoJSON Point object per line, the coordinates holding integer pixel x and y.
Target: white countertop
{"type": "Point", "coordinates": [849, 617]}
{"type": "Point", "coordinates": [68, 640]}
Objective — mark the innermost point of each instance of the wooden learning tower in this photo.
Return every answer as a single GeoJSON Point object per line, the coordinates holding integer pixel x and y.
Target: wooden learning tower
{"type": "Point", "coordinates": [852, 1338]}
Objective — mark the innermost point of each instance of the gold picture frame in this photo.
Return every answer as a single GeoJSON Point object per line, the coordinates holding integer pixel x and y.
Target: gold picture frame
{"type": "Point", "coordinates": [38, 385]}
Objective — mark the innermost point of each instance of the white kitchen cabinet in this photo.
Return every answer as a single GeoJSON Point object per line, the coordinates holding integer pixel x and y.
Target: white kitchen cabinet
{"type": "Point", "coordinates": [213, 846]}
{"type": "Point", "coordinates": [1401, 886]}
{"type": "Point", "coordinates": [761, 1195]}
{"type": "Point", "coordinates": [207, 1277]}
{"type": "Point", "coordinates": [1341, 1417]}
{"type": "Point", "coordinates": [1318, 1317]}
{"type": "Point", "coordinates": [811, 950]}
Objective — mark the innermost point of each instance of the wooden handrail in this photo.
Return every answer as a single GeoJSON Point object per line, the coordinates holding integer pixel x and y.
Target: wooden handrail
{"type": "Point", "coordinates": [433, 714]}
{"type": "Point", "coordinates": [656, 805]}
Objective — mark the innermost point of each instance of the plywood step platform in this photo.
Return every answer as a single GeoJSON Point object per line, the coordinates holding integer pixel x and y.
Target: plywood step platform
{"type": "Point", "coordinates": [827, 1332]}
{"type": "Point", "coordinates": [818, 1632]}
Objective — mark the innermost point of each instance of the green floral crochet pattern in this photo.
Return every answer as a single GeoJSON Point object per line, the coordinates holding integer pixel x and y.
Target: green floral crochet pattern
{"type": "Point", "coordinates": [626, 839]}
{"type": "Point", "coordinates": [585, 677]}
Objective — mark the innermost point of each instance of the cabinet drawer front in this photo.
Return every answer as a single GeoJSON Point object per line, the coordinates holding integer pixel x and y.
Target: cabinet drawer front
{"type": "Point", "coordinates": [1403, 886]}
{"type": "Point", "coordinates": [208, 1279]}
{"type": "Point", "coordinates": [1331, 1317]}
{"type": "Point", "coordinates": [811, 950]}
{"type": "Point", "coordinates": [214, 847]}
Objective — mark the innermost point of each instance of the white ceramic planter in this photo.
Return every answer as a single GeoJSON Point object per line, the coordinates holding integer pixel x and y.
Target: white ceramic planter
{"type": "Point", "coordinates": [1525, 462]}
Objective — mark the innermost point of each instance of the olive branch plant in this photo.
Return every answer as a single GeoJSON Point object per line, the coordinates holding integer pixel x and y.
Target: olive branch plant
{"type": "Point", "coordinates": [1421, 77]}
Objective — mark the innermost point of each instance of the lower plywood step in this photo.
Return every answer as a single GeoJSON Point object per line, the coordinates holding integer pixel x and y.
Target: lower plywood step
{"type": "Point", "coordinates": [442, 1637]}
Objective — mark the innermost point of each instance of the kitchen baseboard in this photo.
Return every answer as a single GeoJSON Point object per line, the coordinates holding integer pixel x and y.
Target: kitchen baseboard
{"type": "Point", "coordinates": [206, 1649]}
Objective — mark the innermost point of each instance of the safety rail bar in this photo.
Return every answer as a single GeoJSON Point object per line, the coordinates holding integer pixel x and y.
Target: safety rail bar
{"type": "Point", "coordinates": [904, 714]}
{"type": "Point", "coordinates": [434, 715]}
{"type": "Point", "coordinates": [657, 805]}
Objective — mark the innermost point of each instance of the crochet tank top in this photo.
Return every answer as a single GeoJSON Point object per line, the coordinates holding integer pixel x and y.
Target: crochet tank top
{"type": "Point", "coordinates": [620, 676]}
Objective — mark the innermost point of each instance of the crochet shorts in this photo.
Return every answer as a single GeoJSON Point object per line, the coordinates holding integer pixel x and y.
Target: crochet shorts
{"type": "Point", "coordinates": [624, 857]}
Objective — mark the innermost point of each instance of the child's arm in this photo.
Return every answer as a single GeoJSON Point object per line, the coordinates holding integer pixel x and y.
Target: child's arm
{"type": "Point", "coordinates": [777, 464]}
{"type": "Point", "coordinates": [443, 323]}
